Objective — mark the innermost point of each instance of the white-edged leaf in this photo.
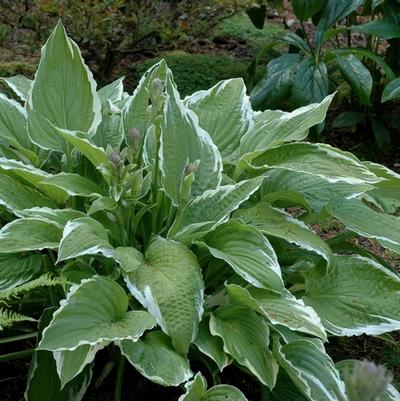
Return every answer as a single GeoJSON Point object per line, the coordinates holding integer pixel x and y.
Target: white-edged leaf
{"type": "Point", "coordinates": [182, 142]}
{"type": "Point", "coordinates": [358, 297]}
{"type": "Point", "coordinates": [19, 84]}
{"type": "Point", "coordinates": [168, 282]}
{"type": "Point", "coordinates": [63, 93]}
{"type": "Point", "coordinates": [205, 212]}
{"type": "Point", "coordinates": [246, 337]}
{"type": "Point", "coordinates": [248, 252]}
{"type": "Point", "coordinates": [155, 358]}
{"type": "Point", "coordinates": [94, 312]}
{"type": "Point", "coordinates": [29, 234]}
{"type": "Point", "coordinates": [58, 216]}
{"type": "Point", "coordinates": [224, 111]}
{"type": "Point", "coordinates": [278, 223]}
{"type": "Point", "coordinates": [311, 370]}
{"type": "Point", "coordinates": [83, 236]}
{"type": "Point", "coordinates": [363, 220]}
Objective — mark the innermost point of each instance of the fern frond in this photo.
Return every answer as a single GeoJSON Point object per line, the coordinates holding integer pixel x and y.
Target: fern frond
{"type": "Point", "coordinates": [8, 318]}
{"type": "Point", "coordinates": [46, 280]}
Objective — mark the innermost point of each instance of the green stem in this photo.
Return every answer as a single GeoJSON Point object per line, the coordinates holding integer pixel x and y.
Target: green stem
{"type": "Point", "coordinates": [49, 268]}
{"type": "Point", "coordinates": [119, 379]}
{"type": "Point", "coordinates": [17, 355]}
{"type": "Point", "coordinates": [20, 337]}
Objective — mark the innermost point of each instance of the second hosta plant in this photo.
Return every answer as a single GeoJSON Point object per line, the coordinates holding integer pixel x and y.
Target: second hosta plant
{"type": "Point", "coordinates": [168, 229]}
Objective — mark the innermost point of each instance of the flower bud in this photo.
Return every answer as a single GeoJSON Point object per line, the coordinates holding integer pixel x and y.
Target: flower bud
{"type": "Point", "coordinates": [156, 94]}
{"type": "Point", "coordinates": [134, 139]}
{"type": "Point", "coordinates": [191, 168]}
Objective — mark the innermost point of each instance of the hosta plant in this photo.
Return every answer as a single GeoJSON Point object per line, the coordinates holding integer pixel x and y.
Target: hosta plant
{"type": "Point", "coordinates": [174, 234]}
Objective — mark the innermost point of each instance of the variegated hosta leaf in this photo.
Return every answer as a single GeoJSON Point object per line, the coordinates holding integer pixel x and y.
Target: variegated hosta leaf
{"type": "Point", "coordinates": [276, 222]}
{"type": "Point", "coordinates": [73, 184]}
{"type": "Point", "coordinates": [112, 92]}
{"type": "Point", "coordinates": [317, 191]}
{"type": "Point", "coordinates": [358, 297]}
{"type": "Point", "coordinates": [83, 236]}
{"type": "Point", "coordinates": [137, 113]}
{"type": "Point", "coordinates": [29, 234]}
{"type": "Point", "coordinates": [321, 160]}
{"type": "Point", "coordinates": [155, 358]}
{"type": "Point", "coordinates": [19, 84]}
{"type": "Point", "coordinates": [16, 196]}
{"type": "Point", "coordinates": [196, 390]}
{"type": "Point", "coordinates": [168, 282]}
{"type": "Point", "coordinates": [183, 142]}
{"type": "Point", "coordinates": [363, 220]}
{"type": "Point", "coordinates": [58, 216]}
{"type": "Point", "coordinates": [348, 366]}
{"type": "Point", "coordinates": [311, 370]}
{"type": "Point", "coordinates": [16, 270]}
{"type": "Point", "coordinates": [285, 310]}
{"type": "Point", "coordinates": [224, 111]}
{"type": "Point", "coordinates": [71, 363]}
{"type": "Point", "coordinates": [206, 211]}
{"type": "Point", "coordinates": [63, 93]}
{"type": "Point", "coordinates": [212, 346]}
{"type": "Point", "coordinates": [43, 381]}
{"type": "Point", "coordinates": [284, 390]}
{"type": "Point", "coordinates": [273, 127]}
{"type": "Point", "coordinates": [246, 337]}
{"type": "Point", "coordinates": [248, 252]}
{"type": "Point", "coordinates": [94, 312]}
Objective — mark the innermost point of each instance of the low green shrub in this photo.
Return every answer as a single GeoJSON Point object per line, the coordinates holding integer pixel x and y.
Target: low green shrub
{"type": "Point", "coordinates": [169, 230]}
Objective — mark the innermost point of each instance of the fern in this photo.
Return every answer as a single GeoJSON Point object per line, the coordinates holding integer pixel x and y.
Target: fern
{"type": "Point", "coordinates": [8, 318]}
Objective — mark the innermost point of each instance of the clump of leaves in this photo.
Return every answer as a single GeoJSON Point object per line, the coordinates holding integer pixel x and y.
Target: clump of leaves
{"type": "Point", "coordinates": [169, 229]}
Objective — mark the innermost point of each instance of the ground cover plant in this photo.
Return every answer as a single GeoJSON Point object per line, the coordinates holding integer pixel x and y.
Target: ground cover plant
{"type": "Point", "coordinates": [350, 45]}
{"type": "Point", "coordinates": [175, 234]}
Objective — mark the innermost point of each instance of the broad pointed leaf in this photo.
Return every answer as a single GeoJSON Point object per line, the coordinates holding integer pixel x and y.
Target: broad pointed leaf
{"type": "Point", "coordinates": [19, 84]}
{"type": "Point", "coordinates": [246, 337]}
{"type": "Point", "coordinates": [391, 91]}
{"type": "Point", "coordinates": [168, 283]}
{"type": "Point", "coordinates": [63, 93]}
{"type": "Point", "coordinates": [58, 216]}
{"type": "Point", "coordinates": [84, 317]}
{"type": "Point", "coordinates": [155, 358]}
{"type": "Point", "coordinates": [358, 297]}
{"type": "Point", "coordinates": [248, 252]}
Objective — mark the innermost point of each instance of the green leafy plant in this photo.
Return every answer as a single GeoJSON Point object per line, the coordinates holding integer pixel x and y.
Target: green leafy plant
{"type": "Point", "coordinates": [322, 58]}
{"type": "Point", "coordinates": [170, 231]}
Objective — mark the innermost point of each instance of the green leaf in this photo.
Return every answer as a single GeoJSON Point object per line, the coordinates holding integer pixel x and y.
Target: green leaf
{"type": "Point", "coordinates": [43, 381]}
{"type": "Point", "coordinates": [58, 216]}
{"type": "Point", "coordinates": [63, 93]}
{"type": "Point", "coordinates": [274, 127]}
{"type": "Point", "coordinates": [358, 297]}
{"type": "Point", "coordinates": [391, 91]}
{"type": "Point", "coordinates": [83, 236]}
{"type": "Point", "coordinates": [357, 75]}
{"type": "Point", "coordinates": [210, 345]}
{"type": "Point", "coordinates": [168, 283]}
{"type": "Point", "coordinates": [29, 234]}
{"type": "Point", "coordinates": [195, 389]}
{"type": "Point", "coordinates": [277, 223]}
{"type": "Point", "coordinates": [381, 29]}
{"type": "Point", "coordinates": [320, 160]}
{"type": "Point", "coordinates": [19, 84]}
{"type": "Point", "coordinates": [257, 13]}
{"type": "Point", "coordinates": [311, 370]}
{"type": "Point", "coordinates": [16, 196]}
{"type": "Point", "coordinates": [297, 41]}
{"type": "Point", "coordinates": [284, 390]}
{"type": "Point", "coordinates": [246, 337]}
{"type": "Point", "coordinates": [13, 126]}
{"type": "Point", "coordinates": [305, 9]}
{"type": "Point", "coordinates": [311, 83]}
{"type": "Point", "coordinates": [9, 318]}
{"type": "Point", "coordinates": [284, 310]}
{"type": "Point", "coordinates": [16, 270]}
{"type": "Point", "coordinates": [317, 191]}
{"type": "Point", "coordinates": [382, 135]}
{"type": "Point", "coordinates": [206, 211]}
{"type": "Point", "coordinates": [346, 367]}
{"type": "Point", "coordinates": [155, 358]}
{"type": "Point", "coordinates": [73, 184]}
{"type": "Point", "coordinates": [183, 141]}
{"type": "Point", "coordinates": [224, 111]}
{"type": "Point", "coordinates": [84, 317]}
{"type": "Point", "coordinates": [334, 11]}
{"type": "Point", "coordinates": [112, 92]}
{"type": "Point", "coordinates": [363, 220]}
{"type": "Point", "coordinates": [274, 88]}
{"type": "Point", "coordinates": [347, 119]}
{"type": "Point", "coordinates": [248, 252]}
